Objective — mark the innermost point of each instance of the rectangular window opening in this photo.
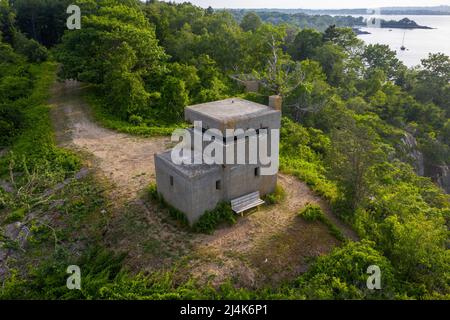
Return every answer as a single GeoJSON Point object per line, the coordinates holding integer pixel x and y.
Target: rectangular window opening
{"type": "Point", "coordinates": [171, 181]}
{"type": "Point", "coordinates": [218, 185]}
{"type": "Point", "coordinates": [257, 172]}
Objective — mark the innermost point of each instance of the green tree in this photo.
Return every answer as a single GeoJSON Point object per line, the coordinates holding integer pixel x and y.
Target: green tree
{"type": "Point", "coordinates": [305, 44]}
{"type": "Point", "coordinates": [42, 20]}
{"type": "Point", "coordinates": [331, 58]}
{"type": "Point", "coordinates": [7, 21]}
{"type": "Point", "coordinates": [29, 48]}
{"type": "Point", "coordinates": [343, 37]}
{"type": "Point", "coordinates": [174, 97]}
{"type": "Point", "coordinates": [125, 50]}
{"type": "Point", "coordinates": [312, 94]}
{"type": "Point", "coordinates": [381, 57]}
{"type": "Point", "coordinates": [433, 81]}
{"type": "Point", "coordinates": [250, 22]}
{"type": "Point", "coordinates": [343, 274]}
{"type": "Point", "coordinates": [257, 47]}
{"type": "Point", "coordinates": [353, 153]}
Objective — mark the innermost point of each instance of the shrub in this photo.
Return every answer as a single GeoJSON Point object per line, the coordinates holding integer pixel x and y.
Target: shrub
{"type": "Point", "coordinates": [35, 147]}
{"type": "Point", "coordinates": [152, 191]}
{"type": "Point", "coordinates": [16, 215]}
{"type": "Point", "coordinates": [11, 121]}
{"type": "Point", "coordinates": [14, 87]}
{"type": "Point", "coordinates": [136, 120]}
{"type": "Point", "coordinates": [313, 212]}
{"type": "Point", "coordinates": [30, 48]}
{"type": "Point", "coordinates": [209, 221]}
{"type": "Point", "coordinates": [134, 125]}
{"type": "Point", "coordinates": [343, 274]}
{"type": "Point", "coordinates": [276, 197]}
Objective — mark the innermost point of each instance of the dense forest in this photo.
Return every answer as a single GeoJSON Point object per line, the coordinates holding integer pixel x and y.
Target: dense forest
{"type": "Point", "coordinates": [365, 132]}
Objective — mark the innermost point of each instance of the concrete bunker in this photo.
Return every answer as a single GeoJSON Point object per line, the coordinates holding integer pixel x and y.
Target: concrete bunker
{"type": "Point", "coordinates": [196, 188]}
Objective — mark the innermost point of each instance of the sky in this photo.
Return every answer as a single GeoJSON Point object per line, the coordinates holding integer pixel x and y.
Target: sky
{"type": "Point", "coordinates": [314, 4]}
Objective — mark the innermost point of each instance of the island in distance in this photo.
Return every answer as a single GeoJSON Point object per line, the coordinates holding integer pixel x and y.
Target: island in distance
{"type": "Point", "coordinates": [405, 23]}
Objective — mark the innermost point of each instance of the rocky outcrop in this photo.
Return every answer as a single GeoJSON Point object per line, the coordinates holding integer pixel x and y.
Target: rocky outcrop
{"type": "Point", "coordinates": [414, 156]}
{"type": "Point", "coordinates": [441, 176]}
{"type": "Point", "coordinates": [15, 233]}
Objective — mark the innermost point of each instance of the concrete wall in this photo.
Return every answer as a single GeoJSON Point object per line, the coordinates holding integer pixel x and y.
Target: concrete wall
{"type": "Point", "coordinates": [195, 194]}
{"type": "Point", "coordinates": [180, 194]}
{"type": "Point", "coordinates": [241, 180]}
{"type": "Point", "coordinates": [192, 196]}
{"type": "Point", "coordinates": [204, 194]}
{"type": "Point", "coordinates": [272, 120]}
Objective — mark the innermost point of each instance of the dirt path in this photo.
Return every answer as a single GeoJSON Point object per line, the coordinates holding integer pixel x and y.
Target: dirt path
{"type": "Point", "coordinates": [266, 246]}
{"type": "Point", "coordinates": [126, 160]}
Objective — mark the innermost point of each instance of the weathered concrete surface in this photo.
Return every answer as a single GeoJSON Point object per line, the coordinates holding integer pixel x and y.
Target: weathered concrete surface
{"type": "Point", "coordinates": [233, 113]}
{"type": "Point", "coordinates": [195, 188]}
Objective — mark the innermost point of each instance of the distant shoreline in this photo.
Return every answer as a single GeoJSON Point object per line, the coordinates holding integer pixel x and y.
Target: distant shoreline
{"type": "Point", "coordinates": [388, 11]}
{"type": "Point", "coordinates": [319, 21]}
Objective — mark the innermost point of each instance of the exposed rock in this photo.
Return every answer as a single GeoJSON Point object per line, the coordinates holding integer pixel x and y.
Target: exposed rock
{"type": "Point", "coordinates": [55, 189]}
{"type": "Point", "coordinates": [441, 175]}
{"type": "Point", "coordinates": [22, 237]}
{"type": "Point", "coordinates": [78, 176]}
{"type": "Point", "coordinates": [18, 233]}
{"type": "Point", "coordinates": [12, 230]}
{"type": "Point", "coordinates": [82, 174]}
{"type": "Point", "coordinates": [57, 203]}
{"type": "Point", "coordinates": [8, 187]}
{"type": "Point", "coordinates": [413, 153]}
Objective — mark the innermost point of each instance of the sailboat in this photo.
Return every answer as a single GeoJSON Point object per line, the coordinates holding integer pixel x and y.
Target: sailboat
{"type": "Point", "coordinates": [403, 48]}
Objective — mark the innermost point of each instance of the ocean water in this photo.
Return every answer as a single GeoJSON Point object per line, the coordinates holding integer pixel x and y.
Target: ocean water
{"type": "Point", "coordinates": [419, 42]}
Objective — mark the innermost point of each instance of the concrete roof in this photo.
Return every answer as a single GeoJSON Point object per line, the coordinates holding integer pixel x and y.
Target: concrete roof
{"type": "Point", "coordinates": [188, 170]}
{"type": "Point", "coordinates": [231, 109]}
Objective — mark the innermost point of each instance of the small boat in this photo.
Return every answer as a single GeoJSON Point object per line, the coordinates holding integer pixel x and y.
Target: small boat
{"type": "Point", "coordinates": [403, 48]}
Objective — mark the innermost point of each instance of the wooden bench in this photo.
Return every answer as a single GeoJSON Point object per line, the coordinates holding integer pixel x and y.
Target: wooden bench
{"type": "Point", "coordinates": [251, 200]}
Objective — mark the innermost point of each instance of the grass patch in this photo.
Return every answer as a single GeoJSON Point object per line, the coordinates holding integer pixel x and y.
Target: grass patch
{"type": "Point", "coordinates": [210, 220]}
{"type": "Point", "coordinates": [136, 124]}
{"type": "Point", "coordinates": [35, 146]}
{"type": "Point", "coordinates": [276, 197]}
{"type": "Point", "coordinates": [313, 212]}
{"type": "Point", "coordinates": [16, 215]}
{"type": "Point", "coordinates": [62, 219]}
